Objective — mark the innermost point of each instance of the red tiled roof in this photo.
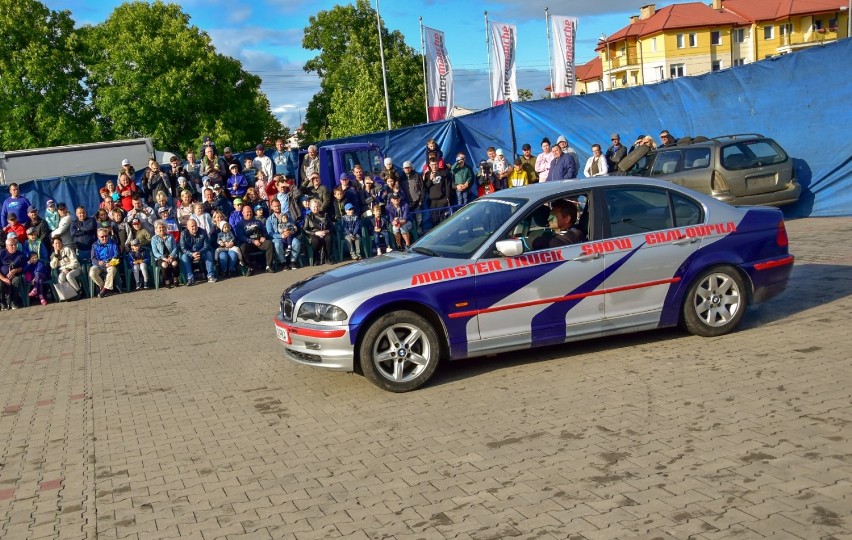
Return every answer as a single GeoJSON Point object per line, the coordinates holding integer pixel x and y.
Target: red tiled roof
{"type": "Point", "coordinates": [677, 16]}
{"type": "Point", "coordinates": [591, 70]}
{"type": "Point", "coordinates": [773, 10]}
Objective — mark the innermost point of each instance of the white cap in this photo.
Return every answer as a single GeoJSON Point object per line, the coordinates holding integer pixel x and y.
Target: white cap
{"type": "Point", "coordinates": [561, 139]}
{"type": "Point", "coordinates": [499, 152]}
{"type": "Point", "coordinates": [125, 162]}
{"type": "Point", "coordinates": [388, 161]}
{"type": "Point", "coordinates": [406, 164]}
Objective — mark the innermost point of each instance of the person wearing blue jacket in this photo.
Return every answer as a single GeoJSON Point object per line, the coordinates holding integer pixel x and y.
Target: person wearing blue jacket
{"type": "Point", "coordinates": [252, 238]}
{"type": "Point", "coordinates": [400, 221]}
{"type": "Point", "coordinates": [285, 161]}
{"type": "Point", "coordinates": [195, 247]}
{"type": "Point", "coordinates": [105, 260]}
{"type": "Point", "coordinates": [236, 183]}
{"type": "Point", "coordinates": [563, 166]}
{"type": "Point", "coordinates": [281, 228]}
{"type": "Point", "coordinates": [15, 204]}
{"type": "Point", "coordinates": [164, 249]}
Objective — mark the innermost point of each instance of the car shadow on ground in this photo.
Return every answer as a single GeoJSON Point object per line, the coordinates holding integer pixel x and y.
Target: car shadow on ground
{"type": "Point", "coordinates": [810, 285]}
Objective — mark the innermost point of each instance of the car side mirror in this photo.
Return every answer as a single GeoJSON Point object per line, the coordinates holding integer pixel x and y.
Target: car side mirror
{"type": "Point", "coordinates": [510, 248]}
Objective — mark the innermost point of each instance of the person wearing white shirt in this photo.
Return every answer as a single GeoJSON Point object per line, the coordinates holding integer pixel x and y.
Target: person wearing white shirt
{"type": "Point", "coordinates": [263, 162]}
{"type": "Point", "coordinates": [596, 165]}
{"type": "Point", "coordinates": [542, 161]}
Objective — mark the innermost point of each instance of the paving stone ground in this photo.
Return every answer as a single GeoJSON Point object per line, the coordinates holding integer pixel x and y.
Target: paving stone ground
{"type": "Point", "coordinates": [166, 414]}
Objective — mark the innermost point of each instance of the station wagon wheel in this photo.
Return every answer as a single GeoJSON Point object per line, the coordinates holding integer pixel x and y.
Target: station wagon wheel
{"type": "Point", "coordinates": [399, 351]}
{"type": "Point", "coordinates": [715, 303]}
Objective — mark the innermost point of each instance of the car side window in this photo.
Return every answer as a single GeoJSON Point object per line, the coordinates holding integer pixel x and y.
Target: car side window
{"type": "Point", "coordinates": [696, 158]}
{"type": "Point", "coordinates": [637, 210]}
{"type": "Point", "coordinates": [666, 163]}
{"type": "Point", "coordinates": [536, 223]}
{"type": "Point", "coordinates": [765, 152]}
{"type": "Point", "coordinates": [687, 212]}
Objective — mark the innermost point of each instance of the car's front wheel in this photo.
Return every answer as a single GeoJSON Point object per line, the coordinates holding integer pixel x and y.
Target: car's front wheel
{"type": "Point", "coordinates": [400, 351]}
{"type": "Point", "coordinates": [715, 303]}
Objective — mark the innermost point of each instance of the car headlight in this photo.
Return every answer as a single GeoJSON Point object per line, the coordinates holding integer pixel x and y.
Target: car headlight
{"type": "Point", "coordinates": [313, 311]}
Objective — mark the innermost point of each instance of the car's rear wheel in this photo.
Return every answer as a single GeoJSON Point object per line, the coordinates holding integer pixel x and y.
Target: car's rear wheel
{"type": "Point", "coordinates": [400, 351]}
{"type": "Point", "coordinates": [715, 303]}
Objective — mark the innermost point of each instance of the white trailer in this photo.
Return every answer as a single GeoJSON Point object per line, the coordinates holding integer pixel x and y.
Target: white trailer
{"type": "Point", "coordinates": [22, 166]}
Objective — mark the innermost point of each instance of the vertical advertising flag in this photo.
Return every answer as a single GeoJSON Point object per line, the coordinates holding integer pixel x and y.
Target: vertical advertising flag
{"type": "Point", "coordinates": [504, 84]}
{"type": "Point", "coordinates": [439, 76]}
{"type": "Point", "coordinates": [563, 31]}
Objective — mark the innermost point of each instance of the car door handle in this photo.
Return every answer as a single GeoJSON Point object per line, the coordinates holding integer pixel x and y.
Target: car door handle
{"type": "Point", "coordinates": [685, 241]}
{"type": "Point", "coordinates": [587, 257]}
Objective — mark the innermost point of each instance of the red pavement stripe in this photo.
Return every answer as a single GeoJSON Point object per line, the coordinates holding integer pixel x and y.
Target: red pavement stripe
{"type": "Point", "coordinates": [51, 484]}
{"type": "Point", "coordinates": [6, 494]}
{"type": "Point", "coordinates": [17, 362]}
{"type": "Point", "coordinates": [12, 409]}
{"type": "Point", "coordinates": [75, 397]}
{"type": "Point", "coordinates": [44, 402]}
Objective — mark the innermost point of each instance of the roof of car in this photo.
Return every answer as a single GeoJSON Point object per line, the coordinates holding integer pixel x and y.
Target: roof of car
{"type": "Point", "coordinates": [546, 189]}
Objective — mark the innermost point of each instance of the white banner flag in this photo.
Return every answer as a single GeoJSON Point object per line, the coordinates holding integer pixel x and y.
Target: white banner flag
{"type": "Point", "coordinates": [563, 31]}
{"type": "Point", "coordinates": [439, 76]}
{"type": "Point", "coordinates": [504, 85]}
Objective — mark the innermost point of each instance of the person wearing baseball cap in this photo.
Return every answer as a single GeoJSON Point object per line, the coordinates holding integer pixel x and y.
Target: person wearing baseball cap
{"type": "Point", "coordinates": [262, 162]}
{"type": "Point", "coordinates": [236, 183]}
{"type": "Point", "coordinates": [615, 153]}
{"type": "Point", "coordinates": [350, 227]}
{"type": "Point", "coordinates": [51, 215]}
{"type": "Point", "coordinates": [39, 226]}
{"type": "Point", "coordinates": [528, 162]}
{"type": "Point", "coordinates": [411, 185]}
{"type": "Point", "coordinates": [463, 180]}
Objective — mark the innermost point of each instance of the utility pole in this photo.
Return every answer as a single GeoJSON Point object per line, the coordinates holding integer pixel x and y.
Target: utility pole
{"type": "Point", "coordinates": [382, 54]}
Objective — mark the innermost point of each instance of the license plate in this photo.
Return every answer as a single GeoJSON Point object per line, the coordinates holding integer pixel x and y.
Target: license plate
{"type": "Point", "coordinates": [283, 335]}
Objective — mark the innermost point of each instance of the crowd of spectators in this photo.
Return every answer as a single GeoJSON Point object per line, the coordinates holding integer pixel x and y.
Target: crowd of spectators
{"type": "Point", "coordinates": [218, 216]}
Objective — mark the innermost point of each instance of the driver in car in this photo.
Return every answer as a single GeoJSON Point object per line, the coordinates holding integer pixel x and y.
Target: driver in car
{"type": "Point", "coordinates": [562, 221]}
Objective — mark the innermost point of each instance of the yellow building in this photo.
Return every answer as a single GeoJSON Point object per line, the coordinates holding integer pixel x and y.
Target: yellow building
{"type": "Point", "coordinates": [695, 38]}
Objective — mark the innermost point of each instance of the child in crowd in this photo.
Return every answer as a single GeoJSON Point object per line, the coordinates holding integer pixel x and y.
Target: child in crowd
{"type": "Point", "coordinates": [519, 176]}
{"type": "Point", "coordinates": [203, 219]}
{"type": "Point", "coordinates": [227, 242]}
{"type": "Point", "coordinates": [138, 260]}
{"type": "Point", "coordinates": [350, 225]}
{"type": "Point", "coordinates": [51, 215]}
{"type": "Point", "coordinates": [378, 225]}
{"type": "Point", "coordinates": [289, 235]}
{"type": "Point", "coordinates": [249, 171]}
{"type": "Point", "coordinates": [37, 274]}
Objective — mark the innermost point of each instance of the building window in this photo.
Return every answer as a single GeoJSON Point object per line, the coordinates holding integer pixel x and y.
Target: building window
{"type": "Point", "coordinates": [693, 40]}
{"type": "Point", "coordinates": [622, 50]}
{"type": "Point", "coordinates": [818, 24]}
{"type": "Point", "coordinates": [654, 44]}
{"type": "Point", "coordinates": [680, 41]}
{"type": "Point", "coordinates": [832, 24]}
{"type": "Point", "coordinates": [715, 37]}
{"type": "Point", "coordinates": [677, 70]}
{"type": "Point", "coordinates": [717, 65]}
{"type": "Point", "coordinates": [738, 35]}
{"type": "Point", "coordinates": [739, 61]}
{"type": "Point", "coordinates": [785, 29]}
{"type": "Point", "coordinates": [769, 32]}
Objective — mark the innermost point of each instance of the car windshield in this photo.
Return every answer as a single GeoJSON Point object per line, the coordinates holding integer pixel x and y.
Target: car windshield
{"type": "Point", "coordinates": [463, 233]}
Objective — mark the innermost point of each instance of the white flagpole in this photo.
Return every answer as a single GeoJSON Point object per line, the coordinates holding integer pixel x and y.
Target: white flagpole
{"type": "Point", "coordinates": [382, 53]}
{"type": "Point", "coordinates": [488, 50]}
{"type": "Point", "coordinates": [425, 76]}
{"type": "Point", "coordinates": [549, 47]}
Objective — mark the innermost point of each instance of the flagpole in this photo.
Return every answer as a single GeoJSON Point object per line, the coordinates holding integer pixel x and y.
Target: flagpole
{"type": "Point", "coordinates": [488, 50]}
{"type": "Point", "coordinates": [549, 47]}
{"type": "Point", "coordinates": [425, 76]}
{"type": "Point", "coordinates": [382, 54]}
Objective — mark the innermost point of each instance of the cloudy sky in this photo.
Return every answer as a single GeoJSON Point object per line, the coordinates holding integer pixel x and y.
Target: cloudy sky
{"type": "Point", "coordinates": [266, 36]}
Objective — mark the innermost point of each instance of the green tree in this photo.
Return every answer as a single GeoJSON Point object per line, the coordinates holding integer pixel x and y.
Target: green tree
{"type": "Point", "coordinates": [524, 94]}
{"type": "Point", "coordinates": [154, 75]}
{"type": "Point", "coordinates": [41, 100]}
{"type": "Point", "coordinates": [349, 67]}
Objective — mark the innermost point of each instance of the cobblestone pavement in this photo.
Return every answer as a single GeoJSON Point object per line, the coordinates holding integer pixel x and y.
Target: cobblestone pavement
{"type": "Point", "coordinates": [166, 414]}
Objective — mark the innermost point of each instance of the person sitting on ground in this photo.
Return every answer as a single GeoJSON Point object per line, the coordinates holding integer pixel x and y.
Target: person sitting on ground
{"type": "Point", "coordinates": [37, 275]}
{"type": "Point", "coordinates": [318, 228]}
{"type": "Point", "coordinates": [164, 249]}
{"type": "Point", "coordinates": [399, 220]}
{"type": "Point", "coordinates": [195, 248]}
{"type": "Point", "coordinates": [562, 222]}
{"type": "Point", "coordinates": [12, 261]}
{"type": "Point", "coordinates": [350, 227]}
{"type": "Point", "coordinates": [251, 237]}
{"type": "Point", "coordinates": [64, 261]}
{"type": "Point", "coordinates": [105, 260]}
{"type": "Point", "coordinates": [227, 253]}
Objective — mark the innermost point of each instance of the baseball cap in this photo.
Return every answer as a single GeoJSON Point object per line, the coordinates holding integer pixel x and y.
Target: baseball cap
{"type": "Point", "coordinates": [259, 147]}
{"type": "Point", "coordinates": [348, 206]}
{"type": "Point", "coordinates": [234, 166]}
{"type": "Point", "coordinates": [614, 136]}
{"type": "Point", "coordinates": [165, 209]}
{"type": "Point", "coordinates": [11, 236]}
{"type": "Point", "coordinates": [499, 152]}
{"type": "Point", "coordinates": [526, 146]}
{"type": "Point", "coordinates": [125, 162]}
{"type": "Point", "coordinates": [227, 150]}
{"type": "Point", "coordinates": [135, 220]}
{"type": "Point", "coordinates": [561, 139]}
{"type": "Point", "coordinates": [238, 201]}
{"type": "Point", "coordinates": [32, 210]}
{"type": "Point", "coordinates": [394, 195]}
{"type": "Point", "coordinates": [31, 230]}
{"type": "Point", "coordinates": [181, 178]}
{"type": "Point", "coordinates": [388, 161]}
{"type": "Point", "coordinates": [483, 163]}
{"type": "Point", "coordinates": [406, 164]}
{"type": "Point", "coordinates": [135, 242]}
{"type": "Point", "coordinates": [344, 176]}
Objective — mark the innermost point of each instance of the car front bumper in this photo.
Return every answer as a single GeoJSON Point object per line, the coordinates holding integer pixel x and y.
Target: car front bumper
{"type": "Point", "coordinates": [315, 345]}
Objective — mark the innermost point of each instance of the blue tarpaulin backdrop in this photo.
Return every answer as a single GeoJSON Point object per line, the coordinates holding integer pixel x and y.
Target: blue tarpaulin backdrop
{"type": "Point", "coordinates": [802, 100]}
